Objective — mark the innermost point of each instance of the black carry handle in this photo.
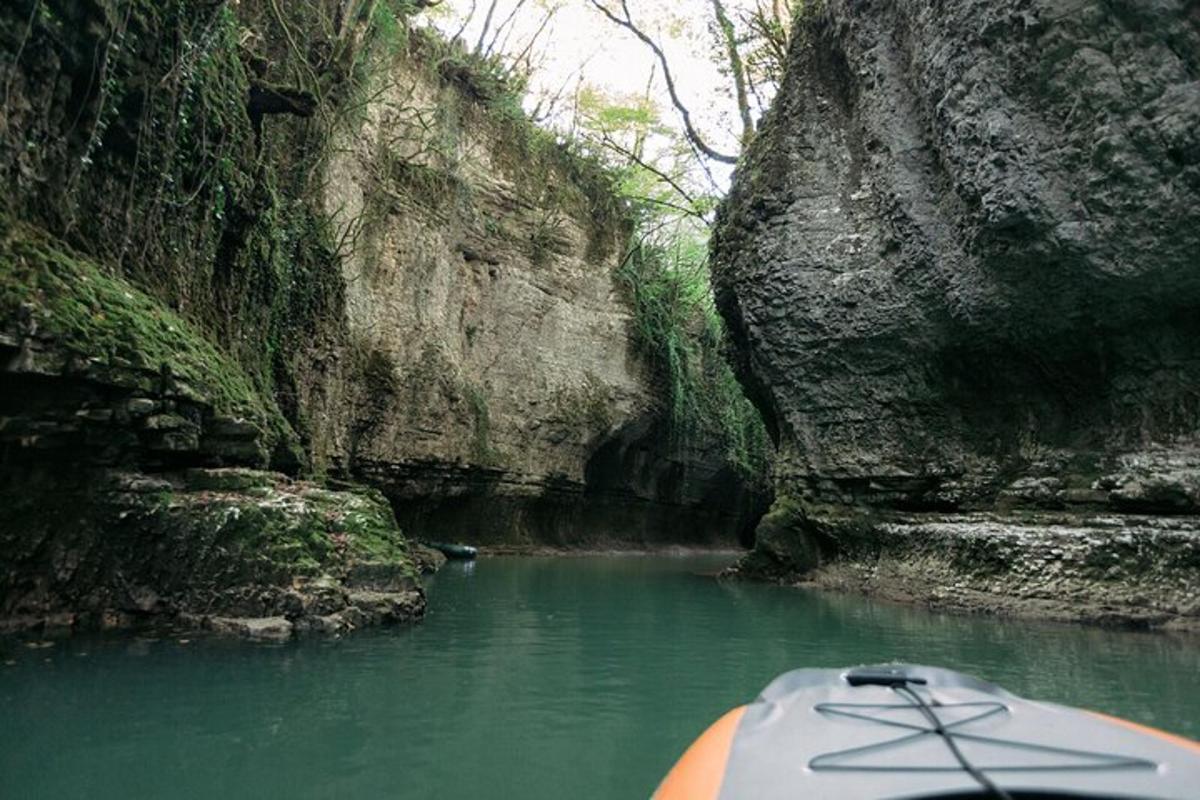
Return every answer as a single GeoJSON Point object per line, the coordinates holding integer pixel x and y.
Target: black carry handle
{"type": "Point", "coordinates": [881, 676]}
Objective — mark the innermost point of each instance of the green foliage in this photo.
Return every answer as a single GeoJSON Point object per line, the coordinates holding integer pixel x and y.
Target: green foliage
{"type": "Point", "coordinates": [484, 79]}
{"type": "Point", "coordinates": [587, 406]}
{"type": "Point", "coordinates": [168, 184]}
{"type": "Point", "coordinates": [432, 186]}
{"type": "Point", "coordinates": [388, 28]}
{"type": "Point", "coordinates": [630, 114]}
{"type": "Point", "coordinates": [678, 326]}
{"type": "Point", "coordinates": [679, 329]}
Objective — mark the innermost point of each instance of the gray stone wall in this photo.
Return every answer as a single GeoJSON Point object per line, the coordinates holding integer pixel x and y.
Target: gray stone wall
{"type": "Point", "coordinates": [961, 258]}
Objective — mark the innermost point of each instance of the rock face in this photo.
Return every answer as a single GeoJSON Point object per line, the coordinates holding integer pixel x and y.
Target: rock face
{"type": "Point", "coordinates": [960, 265]}
{"type": "Point", "coordinates": [372, 273]}
{"type": "Point", "coordinates": [234, 550]}
{"type": "Point", "coordinates": [483, 288]}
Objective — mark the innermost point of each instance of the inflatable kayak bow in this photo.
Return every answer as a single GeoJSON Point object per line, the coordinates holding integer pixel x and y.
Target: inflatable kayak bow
{"type": "Point", "coordinates": [900, 731]}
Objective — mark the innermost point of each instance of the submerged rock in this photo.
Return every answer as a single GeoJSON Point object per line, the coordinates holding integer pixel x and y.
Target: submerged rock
{"type": "Point", "coordinates": [261, 628]}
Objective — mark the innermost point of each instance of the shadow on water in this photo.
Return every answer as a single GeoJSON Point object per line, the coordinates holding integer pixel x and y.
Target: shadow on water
{"type": "Point", "coordinates": [537, 678]}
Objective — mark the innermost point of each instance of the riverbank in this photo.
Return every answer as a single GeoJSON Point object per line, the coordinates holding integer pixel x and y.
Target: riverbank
{"type": "Point", "coordinates": [352, 597]}
{"type": "Point", "coordinates": [234, 551]}
{"type": "Point", "coordinates": [1112, 570]}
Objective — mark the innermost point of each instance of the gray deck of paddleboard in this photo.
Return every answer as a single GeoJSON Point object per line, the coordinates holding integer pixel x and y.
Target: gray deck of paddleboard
{"type": "Point", "coordinates": [791, 743]}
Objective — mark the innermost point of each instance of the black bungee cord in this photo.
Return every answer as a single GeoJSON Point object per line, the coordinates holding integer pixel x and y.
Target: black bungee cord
{"type": "Point", "coordinates": [988, 785]}
{"type": "Point", "coordinates": [898, 681]}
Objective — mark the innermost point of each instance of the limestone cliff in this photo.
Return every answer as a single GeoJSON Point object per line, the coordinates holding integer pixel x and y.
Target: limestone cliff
{"type": "Point", "coordinates": [960, 261]}
{"type": "Point", "coordinates": [352, 261]}
{"type": "Point", "coordinates": [482, 281]}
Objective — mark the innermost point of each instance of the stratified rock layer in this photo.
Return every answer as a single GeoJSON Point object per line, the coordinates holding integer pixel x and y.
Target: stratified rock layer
{"type": "Point", "coordinates": [960, 262]}
{"type": "Point", "coordinates": [507, 401]}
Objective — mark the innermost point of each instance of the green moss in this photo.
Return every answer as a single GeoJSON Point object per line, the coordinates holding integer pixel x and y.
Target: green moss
{"type": "Point", "coordinates": [372, 531]}
{"type": "Point", "coordinates": [380, 374]}
{"type": "Point", "coordinates": [233, 479]}
{"type": "Point", "coordinates": [162, 177]}
{"type": "Point", "coordinates": [430, 185]}
{"type": "Point", "coordinates": [235, 536]}
{"type": "Point", "coordinates": [481, 445]}
{"type": "Point", "coordinates": [587, 406]}
{"type": "Point", "coordinates": [481, 423]}
{"type": "Point", "coordinates": [784, 538]}
{"type": "Point", "coordinates": [101, 317]}
{"type": "Point", "coordinates": [797, 536]}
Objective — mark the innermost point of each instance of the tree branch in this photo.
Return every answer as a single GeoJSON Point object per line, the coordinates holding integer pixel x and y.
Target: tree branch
{"type": "Point", "coordinates": [616, 147]}
{"type": "Point", "coordinates": [503, 26]}
{"type": "Point", "coordinates": [487, 24]}
{"type": "Point", "coordinates": [691, 212]}
{"type": "Point", "coordinates": [466, 21]}
{"type": "Point", "coordinates": [524, 54]}
{"type": "Point", "coordinates": [692, 134]}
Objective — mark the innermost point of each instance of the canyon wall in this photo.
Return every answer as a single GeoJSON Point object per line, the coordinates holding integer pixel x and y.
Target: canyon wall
{"type": "Point", "coordinates": [258, 299]}
{"type": "Point", "coordinates": [483, 276]}
{"type": "Point", "coordinates": [960, 264]}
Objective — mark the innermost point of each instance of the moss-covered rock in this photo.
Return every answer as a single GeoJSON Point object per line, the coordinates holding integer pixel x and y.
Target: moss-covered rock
{"type": "Point", "coordinates": [68, 302]}
{"type": "Point", "coordinates": [224, 543]}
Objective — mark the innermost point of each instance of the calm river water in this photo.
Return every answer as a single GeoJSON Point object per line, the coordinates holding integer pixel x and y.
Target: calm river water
{"type": "Point", "coordinates": [530, 678]}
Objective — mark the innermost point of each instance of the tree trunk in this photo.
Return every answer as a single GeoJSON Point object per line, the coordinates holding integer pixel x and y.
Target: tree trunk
{"type": "Point", "coordinates": [737, 67]}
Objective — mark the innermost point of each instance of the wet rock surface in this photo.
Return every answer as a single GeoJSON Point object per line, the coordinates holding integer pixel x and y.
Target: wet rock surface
{"type": "Point", "coordinates": [234, 551]}
{"type": "Point", "coordinates": [959, 262]}
{"type": "Point", "coordinates": [1110, 569]}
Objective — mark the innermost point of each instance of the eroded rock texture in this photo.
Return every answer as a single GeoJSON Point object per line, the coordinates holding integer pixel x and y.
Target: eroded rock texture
{"type": "Point", "coordinates": [962, 262]}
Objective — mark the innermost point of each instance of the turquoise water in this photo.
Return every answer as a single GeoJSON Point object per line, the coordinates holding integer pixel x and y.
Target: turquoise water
{"type": "Point", "coordinates": [530, 678]}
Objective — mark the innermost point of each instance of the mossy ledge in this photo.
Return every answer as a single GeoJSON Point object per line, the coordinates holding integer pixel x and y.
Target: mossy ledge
{"type": "Point", "coordinates": [1071, 565]}
{"type": "Point", "coordinates": [100, 379]}
{"type": "Point", "coordinates": [234, 551]}
{"type": "Point", "coordinates": [67, 315]}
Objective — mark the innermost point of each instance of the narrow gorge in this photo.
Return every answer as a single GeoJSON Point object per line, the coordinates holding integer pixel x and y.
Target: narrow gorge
{"type": "Point", "coordinates": [276, 287]}
{"type": "Point", "coordinates": [600, 398]}
{"type": "Point", "coordinates": [286, 291]}
{"type": "Point", "coordinates": [960, 265]}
